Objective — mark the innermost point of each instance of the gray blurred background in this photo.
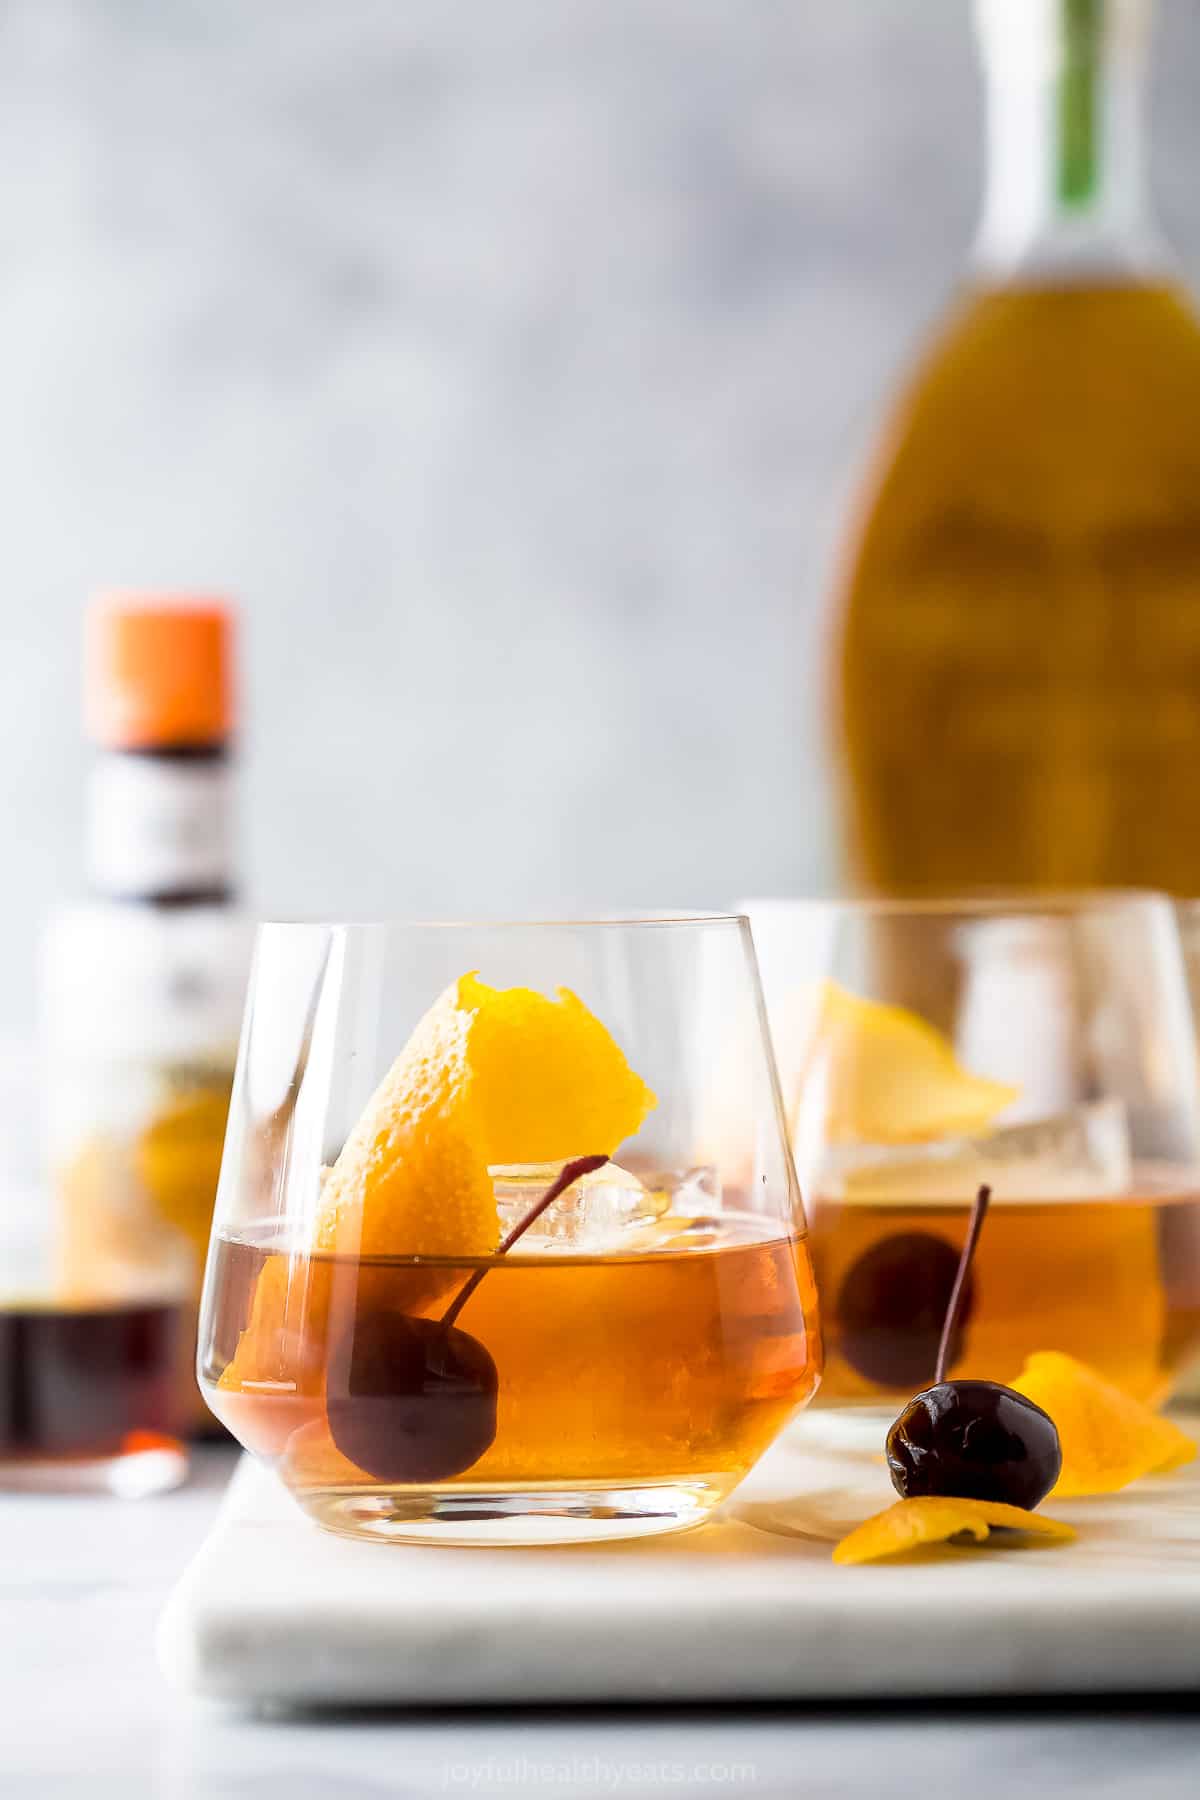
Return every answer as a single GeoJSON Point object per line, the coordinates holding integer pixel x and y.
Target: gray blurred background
{"type": "Point", "coordinates": [512, 364]}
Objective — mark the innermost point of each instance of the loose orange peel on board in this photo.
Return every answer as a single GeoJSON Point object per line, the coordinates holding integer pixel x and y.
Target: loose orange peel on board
{"type": "Point", "coordinates": [489, 1076]}
{"type": "Point", "coordinates": [911, 1524]}
{"type": "Point", "coordinates": [889, 1077]}
{"type": "Point", "coordinates": [1107, 1438]}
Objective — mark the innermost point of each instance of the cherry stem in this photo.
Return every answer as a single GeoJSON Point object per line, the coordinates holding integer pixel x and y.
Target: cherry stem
{"type": "Point", "coordinates": [959, 1290]}
{"type": "Point", "coordinates": [566, 1177]}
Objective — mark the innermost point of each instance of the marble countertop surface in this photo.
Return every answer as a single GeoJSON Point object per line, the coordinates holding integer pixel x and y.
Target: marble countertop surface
{"type": "Point", "coordinates": [83, 1708]}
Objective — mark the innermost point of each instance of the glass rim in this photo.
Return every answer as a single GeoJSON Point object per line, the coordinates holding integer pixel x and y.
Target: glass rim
{"type": "Point", "coordinates": [982, 903]}
{"type": "Point", "coordinates": [576, 922]}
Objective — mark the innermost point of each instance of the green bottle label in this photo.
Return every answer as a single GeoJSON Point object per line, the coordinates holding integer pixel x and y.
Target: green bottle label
{"type": "Point", "coordinates": [1078, 92]}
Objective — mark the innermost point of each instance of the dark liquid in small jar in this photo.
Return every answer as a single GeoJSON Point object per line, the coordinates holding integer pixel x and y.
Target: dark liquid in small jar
{"type": "Point", "coordinates": [75, 1383]}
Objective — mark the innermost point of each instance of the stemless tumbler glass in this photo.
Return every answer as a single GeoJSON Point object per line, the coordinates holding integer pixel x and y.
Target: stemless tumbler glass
{"type": "Point", "coordinates": [508, 1244]}
{"type": "Point", "coordinates": [1041, 1046]}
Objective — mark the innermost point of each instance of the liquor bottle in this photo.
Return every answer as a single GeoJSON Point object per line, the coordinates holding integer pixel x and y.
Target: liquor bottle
{"type": "Point", "coordinates": [1017, 665]}
{"type": "Point", "coordinates": [143, 982]}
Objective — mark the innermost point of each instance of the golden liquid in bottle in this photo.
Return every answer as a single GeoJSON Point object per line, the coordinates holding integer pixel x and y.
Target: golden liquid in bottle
{"type": "Point", "coordinates": [1019, 650]}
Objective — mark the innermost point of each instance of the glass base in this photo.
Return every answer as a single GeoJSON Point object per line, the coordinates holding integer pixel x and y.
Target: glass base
{"type": "Point", "coordinates": [531, 1516]}
{"type": "Point", "coordinates": [133, 1474]}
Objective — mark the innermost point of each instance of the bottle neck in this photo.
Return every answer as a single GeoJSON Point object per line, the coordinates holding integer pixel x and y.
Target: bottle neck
{"type": "Point", "coordinates": [1065, 196]}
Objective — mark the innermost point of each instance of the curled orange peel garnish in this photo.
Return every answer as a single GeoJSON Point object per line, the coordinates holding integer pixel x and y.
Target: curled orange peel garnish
{"type": "Point", "coordinates": [889, 1077]}
{"type": "Point", "coordinates": [490, 1076]}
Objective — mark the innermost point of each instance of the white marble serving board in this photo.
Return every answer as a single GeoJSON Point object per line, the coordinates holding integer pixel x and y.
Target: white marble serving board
{"type": "Point", "coordinates": [750, 1607]}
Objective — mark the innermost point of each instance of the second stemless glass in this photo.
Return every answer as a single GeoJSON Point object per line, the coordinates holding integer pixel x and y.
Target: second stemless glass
{"type": "Point", "coordinates": [1043, 1046]}
{"type": "Point", "coordinates": [395, 1320]}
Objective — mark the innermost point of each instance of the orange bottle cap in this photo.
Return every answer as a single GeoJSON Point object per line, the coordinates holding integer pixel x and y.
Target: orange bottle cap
{"type": "Point", "coordinates": [158, 670]}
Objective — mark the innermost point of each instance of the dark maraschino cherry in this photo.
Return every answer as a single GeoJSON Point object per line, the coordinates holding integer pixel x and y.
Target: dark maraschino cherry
{"type": "Point", "coordinates": [973, 1440]}
{"type": "Point", "coordinates": [891, 1307]}
{"type": "Point", "coordinates": [412, 1399]}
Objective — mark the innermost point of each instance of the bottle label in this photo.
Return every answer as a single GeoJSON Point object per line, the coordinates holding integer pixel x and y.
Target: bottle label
{"type": "Point", "coordinates": [159, 825]}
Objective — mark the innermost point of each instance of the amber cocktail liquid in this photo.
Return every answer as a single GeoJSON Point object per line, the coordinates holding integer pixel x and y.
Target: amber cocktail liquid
{"type": "Point", "coordinates": [617, 1371]}
{"type": "Point", "coordinates": [1114, 1282]}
